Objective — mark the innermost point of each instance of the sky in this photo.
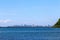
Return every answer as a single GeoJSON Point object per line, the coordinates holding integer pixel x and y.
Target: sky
{"type": "Point", "coordinates": [37, 12]}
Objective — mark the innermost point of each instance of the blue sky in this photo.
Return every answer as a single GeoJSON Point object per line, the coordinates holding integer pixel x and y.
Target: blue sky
{"type": "Point", "coordinates": [37, 12]}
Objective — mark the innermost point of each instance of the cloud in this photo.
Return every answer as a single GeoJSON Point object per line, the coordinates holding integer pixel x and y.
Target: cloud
{"type": "Point", "coordinates": [5, 21]}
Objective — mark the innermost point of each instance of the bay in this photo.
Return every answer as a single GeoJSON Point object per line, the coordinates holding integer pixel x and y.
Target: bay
{"type": "Point", "coordinates": [29, 33]}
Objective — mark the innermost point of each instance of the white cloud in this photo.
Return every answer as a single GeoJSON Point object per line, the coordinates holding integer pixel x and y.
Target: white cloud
{"type": "Point", "coordinates": [5, 21]}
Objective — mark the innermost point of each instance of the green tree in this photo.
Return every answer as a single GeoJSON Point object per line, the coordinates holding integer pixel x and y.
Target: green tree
{"type": "Point", "coordinates": [57, 25]}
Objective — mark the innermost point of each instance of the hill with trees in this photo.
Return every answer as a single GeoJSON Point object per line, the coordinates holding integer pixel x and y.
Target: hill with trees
{"type": "Point", "coordinates": [57, 25]}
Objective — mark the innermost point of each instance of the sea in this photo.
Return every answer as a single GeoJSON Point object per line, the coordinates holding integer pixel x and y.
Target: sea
{"type": "Point", "coordinates": [29, 33]}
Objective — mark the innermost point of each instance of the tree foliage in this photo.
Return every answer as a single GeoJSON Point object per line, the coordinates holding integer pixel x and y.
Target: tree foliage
{"type": "Point", "coordinates": [57, 25]}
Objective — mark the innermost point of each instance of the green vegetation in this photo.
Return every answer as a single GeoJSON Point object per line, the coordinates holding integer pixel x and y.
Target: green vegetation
{"type": "Point", "coordinates": [57, 25]}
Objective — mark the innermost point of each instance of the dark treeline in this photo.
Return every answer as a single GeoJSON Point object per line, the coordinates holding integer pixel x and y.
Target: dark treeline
{"type": "Point", "coordinates": [57, 24]}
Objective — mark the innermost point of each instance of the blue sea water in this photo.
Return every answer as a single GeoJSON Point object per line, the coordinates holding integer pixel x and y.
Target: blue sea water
{"type": "Point", "coordinates": [29, 33]}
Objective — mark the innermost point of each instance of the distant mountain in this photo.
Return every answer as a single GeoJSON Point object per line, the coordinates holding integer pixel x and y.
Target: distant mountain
{"type": "Point", "coordinates": [57, 25]}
